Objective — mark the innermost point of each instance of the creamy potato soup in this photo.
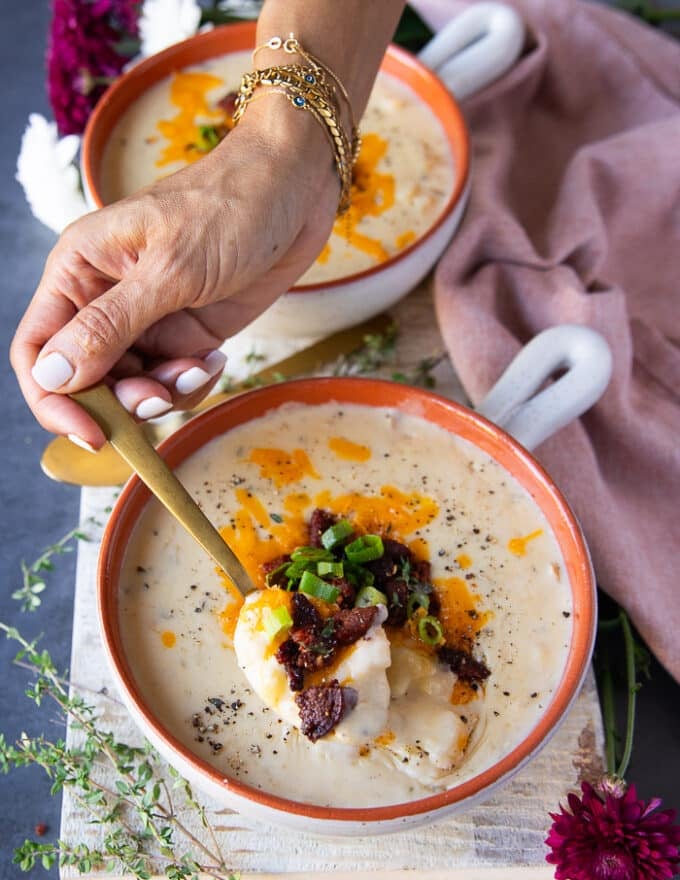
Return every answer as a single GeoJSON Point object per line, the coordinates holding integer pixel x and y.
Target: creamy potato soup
{"type": "Point", "coordinates": [411, 718]}
{"type": "Point", "coordinates": [402, 179]}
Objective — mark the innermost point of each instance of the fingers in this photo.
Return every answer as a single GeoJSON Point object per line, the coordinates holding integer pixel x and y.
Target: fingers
{"type": "Point", "coordinates": [54, 411]}
{"type": "Point", "coordinates": [178, 384]}
{"type": "Point", "coordinates": [85, 348]}
{"type": "Point", "coordinates": [161, 276]}
{"type": "Point", "coordinates": [58, 348]}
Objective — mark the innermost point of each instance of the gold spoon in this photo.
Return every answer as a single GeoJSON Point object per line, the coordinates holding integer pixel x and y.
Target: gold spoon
{"type": "Point", "coordinates": [68, 463]}
{"type": "Point", "coordinates": [126, 436]}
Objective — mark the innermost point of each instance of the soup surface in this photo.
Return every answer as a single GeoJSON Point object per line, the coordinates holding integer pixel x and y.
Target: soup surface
{"type": "Point", "coordinates": [495, 566]}
{"type": "Point", "coordinates": [402, 178]}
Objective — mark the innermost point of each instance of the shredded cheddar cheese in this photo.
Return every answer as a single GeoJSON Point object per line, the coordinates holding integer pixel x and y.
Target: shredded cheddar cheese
{"type": "Point", "coordinates": [188, 92]}
{"type": "Point", "coordinates": [348, 450]}
{"type": "Point", "coordinates": [372, 194]}
{"type": "Point", "coordinates": [459, 615]}
{"type": "Point", "coordinates": [462, 693]}
{"type": "Point", "coordinates": [168, 638]}
{"type": "Point", "coordinates": [518, 546]}
{"type": "Point", "coordinates": [405, 239]}
{"type": "Point", "coordinates": [398, 512]}
{"type": "Point", "coordinates": [325, 254]}
{"type": "Point", "coordinates": [282, 467]}
{"type": "Point", "coordinates": [385, 739]}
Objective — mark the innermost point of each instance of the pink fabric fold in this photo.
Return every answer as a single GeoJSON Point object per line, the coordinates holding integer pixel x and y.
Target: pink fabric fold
{"type": "Point", "coordinates": [574, 217]}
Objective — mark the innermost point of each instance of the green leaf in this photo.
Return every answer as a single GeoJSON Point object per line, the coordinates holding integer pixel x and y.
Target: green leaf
{"type": "Point", "coordinates": [412, 33]}
{"type": "Point", "coordinates": [144, 773]}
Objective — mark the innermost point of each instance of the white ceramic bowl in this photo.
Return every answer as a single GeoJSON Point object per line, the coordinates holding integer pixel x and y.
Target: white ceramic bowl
{"type": "Point", "coordinates": [586, 359]}
{"type": "Point", "coordinates": [308, 310]}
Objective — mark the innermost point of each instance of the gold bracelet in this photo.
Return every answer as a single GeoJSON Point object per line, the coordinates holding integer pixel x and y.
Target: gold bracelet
{"type": "Point", "coordinates": [292, 46]}
{"type": "Point", "coordinates": [305, 91]}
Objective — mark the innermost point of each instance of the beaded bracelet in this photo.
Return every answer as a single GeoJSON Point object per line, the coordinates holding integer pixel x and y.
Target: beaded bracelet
{"type": "Point", "coordinates": [313, 87]}
{"type": "Point", "coordinates": [306, 89]}
{"type": "Point", "coordinates": [292, 46]}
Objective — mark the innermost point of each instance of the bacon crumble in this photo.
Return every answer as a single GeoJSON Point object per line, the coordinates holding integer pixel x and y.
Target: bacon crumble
{"type": "Point", "coordinates": [323, 707]}
{"type": "Point", "coordinates": [314, 641]}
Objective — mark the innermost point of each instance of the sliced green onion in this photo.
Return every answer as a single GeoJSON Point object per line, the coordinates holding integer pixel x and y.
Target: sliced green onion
{"type": "Point", "coordinates": [271, 577]}
{"type": "Point", "coordinates": [208, 138]}
{"type": "Point", "coordinates": [357, 575]}
{"type": "Point", "coordinates": [314, 586]}
{"type": "Point", "coordinates": [430, 630]}
{"type": "Point", "coordinates": [369, 596]}
{"type": "Point", "coordinates": [295, 570]}
{"type": "Point", "coordinates": [311, 554]}
{"type": "Point", "coordinates": [277, 620]}
{"type": "Point", "coordinates": [417, 600]}
{"type": "Point", "coordinates": [336, 533]}
{"type": "Point", "coordinates": [334, 569]}
{"type": "Point", "coordinates": [365, 549]}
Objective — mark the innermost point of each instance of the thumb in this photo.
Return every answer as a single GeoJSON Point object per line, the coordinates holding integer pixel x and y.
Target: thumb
{"type": "Point", "coordinates": [83, 351]}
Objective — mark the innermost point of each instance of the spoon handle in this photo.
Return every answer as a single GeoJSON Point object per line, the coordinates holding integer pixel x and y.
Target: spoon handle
{"type": "Point", "coordinates": [126, 436]}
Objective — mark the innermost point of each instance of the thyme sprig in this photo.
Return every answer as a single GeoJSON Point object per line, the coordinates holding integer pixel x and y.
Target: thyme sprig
{"type": "Point", "coordinates": [422, 372]}
{"type": "Point", "coordinates": [375, 355]}
{"type": "Point", "coordinates": [144, 816]}
{"type": "Point", "coordinates": [378, 352]}
{"type": "Point", "coordinates": [33, 575]}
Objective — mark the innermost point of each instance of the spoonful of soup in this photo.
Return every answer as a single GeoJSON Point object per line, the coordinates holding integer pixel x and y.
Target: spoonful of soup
{"type": "Point", "coordinates": [127, 437]}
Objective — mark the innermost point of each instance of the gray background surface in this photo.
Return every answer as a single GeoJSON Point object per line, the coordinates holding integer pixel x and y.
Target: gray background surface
{"type": "Point", "coordinates": [36, 512]}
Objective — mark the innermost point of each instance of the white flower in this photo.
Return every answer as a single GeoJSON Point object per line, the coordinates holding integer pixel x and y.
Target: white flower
{"type": "Point", "coordinates": [48, 175]}
{"type": "Point", "coordinates": [164, 22]}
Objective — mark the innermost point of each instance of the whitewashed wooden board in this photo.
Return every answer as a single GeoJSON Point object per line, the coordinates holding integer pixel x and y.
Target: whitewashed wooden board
{"type": "Point", "coordinates": [502, 838]}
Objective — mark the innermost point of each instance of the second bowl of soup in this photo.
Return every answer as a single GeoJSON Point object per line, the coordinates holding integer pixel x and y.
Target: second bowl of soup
{"type": "Point", "coordinates": [410, 179]}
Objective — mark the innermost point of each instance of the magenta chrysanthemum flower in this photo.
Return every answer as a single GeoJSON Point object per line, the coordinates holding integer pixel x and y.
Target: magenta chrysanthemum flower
{"type": "Point", "coordinates": [617, 837]}
{"type": "Point", "coordinates": [84, 55]}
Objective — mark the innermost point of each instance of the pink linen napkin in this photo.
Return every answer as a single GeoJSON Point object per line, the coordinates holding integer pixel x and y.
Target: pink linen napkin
{"type": "Point", "coordinates": [574, 217]}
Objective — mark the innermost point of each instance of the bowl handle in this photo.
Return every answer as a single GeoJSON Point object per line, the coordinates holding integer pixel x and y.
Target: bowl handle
{"type": "Point", "coordinates": [587, 360]}
{"type": "Point", "coordinates": [475, 47]}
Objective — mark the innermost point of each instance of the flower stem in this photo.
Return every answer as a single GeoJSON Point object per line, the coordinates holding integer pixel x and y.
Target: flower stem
{"type": "Point", "coordinates": [644, 10]}
{"type": "Point", "coordinates": [629, 643]}
{"type": "Point", "coordinates": [608, 714]}
{"type": "Point", "coordinates": [215, 15]}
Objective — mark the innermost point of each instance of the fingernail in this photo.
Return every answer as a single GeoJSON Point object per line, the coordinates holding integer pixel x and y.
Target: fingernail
{"type": "Point", "coordinates": [215, 361]}
{"type": "Point", "coordinates": [74, 438]}
{"type": "Point", "coordinates": [52, 371]}
{"type": "Point", "coordinates": [152, 407]}
{"type": "Point", "coordinates": [191, 380]}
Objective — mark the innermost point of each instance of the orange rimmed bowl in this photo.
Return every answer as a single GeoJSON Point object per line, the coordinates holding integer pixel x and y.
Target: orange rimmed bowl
{"type": "Point", "coordinates": [587, 362]}
{"type": "Point", "coordinates": [309, 310]}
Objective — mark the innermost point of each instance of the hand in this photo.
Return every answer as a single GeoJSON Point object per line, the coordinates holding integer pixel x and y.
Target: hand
{"type": "Point", "coordinates": [142, 293]}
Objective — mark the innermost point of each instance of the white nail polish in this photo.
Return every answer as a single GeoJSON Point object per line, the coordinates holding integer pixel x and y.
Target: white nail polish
{"type": "Point", "coordinates": [215, 362]}
{"type": "Point", "coordinates": [152, 407]}
{"type": "Point", "coordinates": [52, 371]}
{"type": "Point", "coordinates": [74, 438]}
{"type": "Point", "coordinates": [191, 380]}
